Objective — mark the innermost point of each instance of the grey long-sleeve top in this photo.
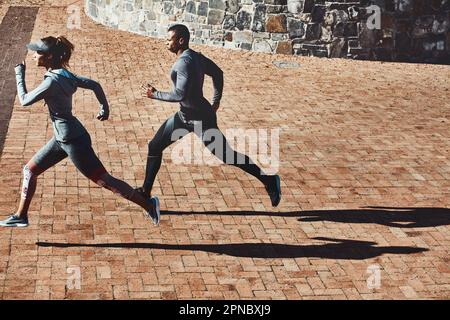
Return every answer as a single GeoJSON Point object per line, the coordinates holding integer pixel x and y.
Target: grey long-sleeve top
{"type": "Point", "coordinates": [57, 89]}
{"type": "Point", "coordinates": [188, 74]}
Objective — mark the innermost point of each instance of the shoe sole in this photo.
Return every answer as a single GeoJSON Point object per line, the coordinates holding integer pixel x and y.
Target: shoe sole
{"type": "Point", "coordinates": [158, 212]}
{"type": "Point", "coordinates": [16, 225]}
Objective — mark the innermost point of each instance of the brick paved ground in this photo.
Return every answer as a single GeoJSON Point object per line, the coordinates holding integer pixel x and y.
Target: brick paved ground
{"type": "Point", "coordinates": [15, 33]}
{"type": "Point", "coordinates": [365, 174]}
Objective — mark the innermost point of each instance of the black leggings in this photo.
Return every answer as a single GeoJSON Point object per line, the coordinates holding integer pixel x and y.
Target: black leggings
{"type": "Point", "coordinates": [175, 128]}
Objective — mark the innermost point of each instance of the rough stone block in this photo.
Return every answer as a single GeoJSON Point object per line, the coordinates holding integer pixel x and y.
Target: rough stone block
{"type": "Point", "coordinates": [277, 2]}
{"type": "Point", "coordinates": [93, 9]}
{"type": "Point", "coordinates": [276, 23]}
{"type": "Point", "coordinates": [180, 4]}
{"type": "Point", "coordinates": [296, 28]}
{"type": "Point", "coordinates": [243, 36]}
{"type": "Point", "coordinates": [318, 13]}
{"type": "Point", "coordinates": [168, 7]}
{"type": "Point", "coordinates": [259, 18]}
{"type": "Point", "coordinates": [190, 7]}
{"type": "Point", "coordinates": [232, 6]}
{"type": "Point", "coordinates": [229, 22]}
{"type": "Point", "coordinates": [215, 16]}
{"type": "Point", "coordinates": [202, 9]}
{"type": "Point", "coordinates": [245, 46]}
{"type": "Point", "coordinates": [275, 9]}
{"type": "Point", "coordinates": [313, 31]}
{"type": "Point", "coordinates": [243, 20]}
{"type": "Point", "coordinates": [260, 45]}
{"type": "Point", "coordinates": [284, 47]}
{"type": "Point", "coordinates": [350, 29]}
{"type": "Point", "coordinates": [423, 26]}
{"type": "Point", "coordinates": [228, 37]}
{"type": "Point", "coordinates": [295, 6]}
{"type": "Point", "coordinates": [217, 4]}
{"type": "Point", "coordinates": [336, 48]}
{"type": "Point", "coordinates": [308, 6]}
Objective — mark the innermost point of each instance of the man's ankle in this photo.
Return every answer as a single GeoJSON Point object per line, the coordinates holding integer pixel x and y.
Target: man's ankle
{"type": "Point", "coordinates": [266, 179]}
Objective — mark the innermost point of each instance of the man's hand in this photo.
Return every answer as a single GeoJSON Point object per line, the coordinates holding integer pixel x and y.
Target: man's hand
{"type": "Point", "coordinates": [147, 90]}
{"type": "Point", "coordinates": [103, 114]}
{"type": "Point", "coordinates": [216, 106]}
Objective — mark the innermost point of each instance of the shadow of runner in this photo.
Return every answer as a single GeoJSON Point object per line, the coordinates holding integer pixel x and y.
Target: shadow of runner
{"type": "Point", "coordinates": [391, 217]}
{"type": "Point", "coordinates": [340, 249]}
{"type": "Point", "coordinates": [387, 216]}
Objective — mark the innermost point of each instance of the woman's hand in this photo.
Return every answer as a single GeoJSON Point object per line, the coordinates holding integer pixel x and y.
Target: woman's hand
{"type": "Point", "coordinates": [103, 114]}
{"type": "Point", "coordinates": [22, 65]}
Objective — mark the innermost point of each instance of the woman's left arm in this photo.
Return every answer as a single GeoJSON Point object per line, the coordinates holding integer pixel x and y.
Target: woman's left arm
{"type": "Point", "coordinates": [90, 84]}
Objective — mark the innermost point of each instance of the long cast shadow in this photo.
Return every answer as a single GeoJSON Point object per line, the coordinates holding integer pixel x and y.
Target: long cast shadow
{"type": "Point", "coordinates": [339, 249]}
{"type": "Point", "coordinates": [392, 217]}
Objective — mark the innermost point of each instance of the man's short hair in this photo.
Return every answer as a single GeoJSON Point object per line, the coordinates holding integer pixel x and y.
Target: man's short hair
{"type": "Point", "coordinates": [181, 31]}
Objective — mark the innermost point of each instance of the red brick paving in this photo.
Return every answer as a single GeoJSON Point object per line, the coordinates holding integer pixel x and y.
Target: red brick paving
{"type": "Point", "coordinates": [354, 135]}
{"type": "Point", "coordinates": [15, 33]}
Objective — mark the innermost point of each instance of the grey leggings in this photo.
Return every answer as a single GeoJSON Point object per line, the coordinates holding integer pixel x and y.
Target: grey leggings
{"type": "Point", "coordinates": [169, 132]}
{"type": "Point", "coordinates": [80, 152]}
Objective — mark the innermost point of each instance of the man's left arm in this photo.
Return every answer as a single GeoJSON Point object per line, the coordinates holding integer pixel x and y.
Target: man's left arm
{"type": "Point", "coordinates": [212, 70]}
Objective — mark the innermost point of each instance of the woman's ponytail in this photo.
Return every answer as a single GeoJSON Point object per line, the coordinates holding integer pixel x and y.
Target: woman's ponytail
{"type": "Point", "coordinates": [65, 48]}
{"type": "Point", "coordinates": [61, 50]}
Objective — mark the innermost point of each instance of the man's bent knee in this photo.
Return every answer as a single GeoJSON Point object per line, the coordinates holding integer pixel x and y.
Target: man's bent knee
{"type": "Point", "coordinates": [154, 150]}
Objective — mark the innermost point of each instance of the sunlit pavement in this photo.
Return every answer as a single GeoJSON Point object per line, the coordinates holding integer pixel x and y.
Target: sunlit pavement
{"type": "Point", "coordinates": [363, 159]}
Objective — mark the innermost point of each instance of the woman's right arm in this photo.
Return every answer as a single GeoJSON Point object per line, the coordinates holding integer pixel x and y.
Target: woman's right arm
{"type": "Point", "coordinates": [28, 98]}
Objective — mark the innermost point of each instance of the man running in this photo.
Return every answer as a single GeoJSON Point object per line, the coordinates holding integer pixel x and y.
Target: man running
{"type": "Point", "coordinates": [187, 75]}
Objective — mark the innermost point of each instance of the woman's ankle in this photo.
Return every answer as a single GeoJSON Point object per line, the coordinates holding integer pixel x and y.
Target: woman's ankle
{"type": "Point", "coordinates": [21, 215]}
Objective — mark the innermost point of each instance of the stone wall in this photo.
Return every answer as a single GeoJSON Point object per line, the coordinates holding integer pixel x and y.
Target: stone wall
{"type": "Point", "coordinates": [407, 30]}
{"type": "Point", "coordinates": [397, 30]}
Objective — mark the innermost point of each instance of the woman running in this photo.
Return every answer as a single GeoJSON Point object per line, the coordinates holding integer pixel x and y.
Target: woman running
{"type": "Point", "coordinates": [70, 137]}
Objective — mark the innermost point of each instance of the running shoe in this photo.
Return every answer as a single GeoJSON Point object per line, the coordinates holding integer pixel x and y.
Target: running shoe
{"type": "Point", "coordinates": [14, 221]}
{"type": "Point", "coordinates": [154, 213]}
{"type": "Point", "coordinates": [273, 188]}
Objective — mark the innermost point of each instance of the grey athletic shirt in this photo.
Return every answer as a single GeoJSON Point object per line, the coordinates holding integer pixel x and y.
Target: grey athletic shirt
{"type": "Point", "coordinates": [188, 74]}
{"type": "Point", "coordinates": [57, 89]}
